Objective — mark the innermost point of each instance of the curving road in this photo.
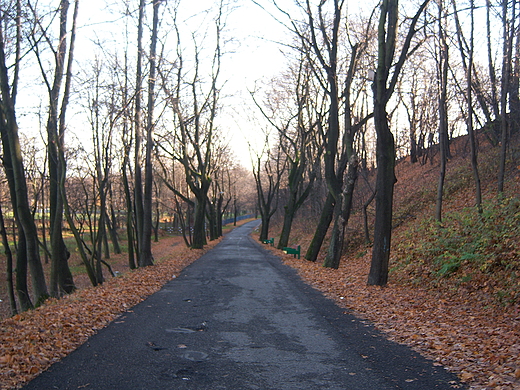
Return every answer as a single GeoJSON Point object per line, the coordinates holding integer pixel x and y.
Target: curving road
{"type": "Point", "coordinates": [239, 319]}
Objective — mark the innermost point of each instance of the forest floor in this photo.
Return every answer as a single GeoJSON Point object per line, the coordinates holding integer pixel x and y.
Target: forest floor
{"type": "Point", "coordinates": [481, 344]}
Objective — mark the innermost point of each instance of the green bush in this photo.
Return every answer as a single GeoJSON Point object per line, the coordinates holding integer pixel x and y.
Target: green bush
{"type": "Point", "coordinates": [485, 241]}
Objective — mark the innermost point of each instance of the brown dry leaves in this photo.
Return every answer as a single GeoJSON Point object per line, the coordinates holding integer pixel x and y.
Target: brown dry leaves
{"type": "Point", "coordinates": [30, 342]}
{"type": "Point", "coordinates": [480, 344]}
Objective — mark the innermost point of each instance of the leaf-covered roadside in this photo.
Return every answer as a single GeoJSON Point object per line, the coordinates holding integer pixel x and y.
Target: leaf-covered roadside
{"type": "Point", "coordinates": [30, 342]}
{"type": "Point", "coordinates": [479, 343]}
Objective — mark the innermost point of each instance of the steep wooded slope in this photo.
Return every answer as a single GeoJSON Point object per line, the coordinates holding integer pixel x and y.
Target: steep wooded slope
{"type": "Point", "coordinates": [454, 290]}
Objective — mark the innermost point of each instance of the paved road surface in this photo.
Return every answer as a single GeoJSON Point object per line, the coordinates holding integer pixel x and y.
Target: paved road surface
{"type": "Point", "coordinates": [238, 319]}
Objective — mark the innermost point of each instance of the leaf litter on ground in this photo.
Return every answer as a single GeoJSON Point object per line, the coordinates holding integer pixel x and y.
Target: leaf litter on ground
{"type": "Point", "coordinates": [480, 343]}
{"type": "Point", "coordinates": [32, 341]}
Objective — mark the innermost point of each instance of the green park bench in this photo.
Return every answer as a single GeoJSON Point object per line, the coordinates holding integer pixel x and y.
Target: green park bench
{"type": "Point", "coordinates": [269, 241]}
{"type": "Point", "coordinates": [293, 251]}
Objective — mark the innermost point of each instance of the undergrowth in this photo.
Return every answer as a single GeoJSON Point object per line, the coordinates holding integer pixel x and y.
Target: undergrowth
{"type": "Point", "coordinates": [465, 249]}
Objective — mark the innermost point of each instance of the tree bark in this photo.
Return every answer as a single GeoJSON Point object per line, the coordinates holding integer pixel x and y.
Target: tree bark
{"type": "Point", "coordinates": [385, 144]}
{"type": "Point", "coordinates": [129, 215]}
{"type": "Point", "coordinates": [22, 290]}
{"type": "Point", "coordinates": [138, 181]}
{"type": "Point", "coordinates": [145, 257]}
{"type": "Point", "coordinates": [112, 229]}
{"type": "Point", "coordinates": [385, 148]}
{"type": "Point", "coordinates": [212, 219]}
{"type": "Point", "coordinates": [9, 129]}
{"type": "Point", "coordinates": [508, 37]}
{"type": "Point", "coordinates": [61, 280]}
{"type": "Point", "coordinates": [385, 180]}
{"type": "Point", "coordinates": [199, 226]}
{"type": "Point", "coordinates": [321, 229]}
{"type": "Point", "coordinates": [342, 216]}
{"type": "Point", "coordinates": [9, 265]}
{"type": "Point", "coordinates": [443, 113]}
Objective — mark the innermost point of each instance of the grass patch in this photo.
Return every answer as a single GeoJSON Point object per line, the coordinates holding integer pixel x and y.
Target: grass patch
{"type": "Point", "coordinates": [467, 243]}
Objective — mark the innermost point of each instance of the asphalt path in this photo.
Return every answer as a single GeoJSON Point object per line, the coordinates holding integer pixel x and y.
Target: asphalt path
{"type": "Point", "coordinates": [237, 318]}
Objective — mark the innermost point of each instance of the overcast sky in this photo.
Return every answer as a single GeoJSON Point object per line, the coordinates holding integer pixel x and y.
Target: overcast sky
{"type": "Point", "coordinates": [251, 58]}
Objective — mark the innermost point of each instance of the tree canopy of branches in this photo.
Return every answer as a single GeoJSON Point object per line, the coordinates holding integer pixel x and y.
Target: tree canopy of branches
{"type": "Point", "coordinates": [149, 109]}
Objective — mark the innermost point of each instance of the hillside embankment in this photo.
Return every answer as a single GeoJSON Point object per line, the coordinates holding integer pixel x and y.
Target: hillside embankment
{"type": "Point", "coordinates": [454, 287]}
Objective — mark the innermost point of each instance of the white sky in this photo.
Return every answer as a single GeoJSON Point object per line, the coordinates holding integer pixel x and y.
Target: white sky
{"type": "Point", "coordinates": [255, 58]}
{"type": "Point", "coordinates": [252, 57]}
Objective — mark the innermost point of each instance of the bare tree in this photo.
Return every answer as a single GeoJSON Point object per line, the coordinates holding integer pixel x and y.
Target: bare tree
{"type": "Point", "coordinates": [297, 137]}
{"type": "Point", "coordinates": [195, 115]}
{"type": "Point", "coordinates": [138, 181]}
{"type": "Point", "coordinates": [319, 36]}
{"type": "Point", "coordinates": [467, 55]}
{"type": "Point", "coordinates": [28, 251]}
{"type": "Point", "coordinates": [442, 66]}
{"type": "Point", "coordinates": [61, 277]}
{"type": "Point", "coordinates": [383, 86]}
{"type": "Point", "coordinates": [508, 28]}
{"type": "Point", "coordinates": [268, 173]}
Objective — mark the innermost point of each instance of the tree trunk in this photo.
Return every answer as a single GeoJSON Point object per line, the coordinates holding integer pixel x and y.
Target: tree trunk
{"type": "Point", "coordinates": [291, 207]}
{"type": "Point", "coordinates": [9, 265]}
{"type": "Point", "coordinates": [66, 281]}
{"type": "Point", "coordinates": [129, 203]}
{"type": "Point", "coordinates": [9, 128]}
{"type": "Point", "coordinates": [138, 181]}
{"type": "Point", "coordinates": [264, 229]}
{"type": "Point", "coordinates": [342, 214]}
{"type": "Point", "coordinates": [514, 91]}
{"type": "Point", "coordinates": [199, 228]}
{"type": "Point", "coordinates": [471, 130]}
{"type": "Point", "coordinates": [385, 144]}
{"type": "Point", "coordinates": [235, 211]}
{"type": "Point", "coordinates": [267, 197]}
{"type": "Point", "coordinates": [157, 222]}
{"type": "Point", "coordinates": [129, 218]}
{"type": "Point", "coordinates": [508, 35]}
{"type": "Point", "coordinates": [100, 238]}
{"type": "Point", "coordinates": [491, 66]}
{"type": "Point", "coordinates": [286, 228]}
{"type": "Point", "coordinates": [220, 214]}
{"type": "Point", "coordinates": [443, 114]}
{"type": "Point", "coordinates": [61, 278]}
{"type": "Point", "coordinates": [182, 219]}
{"type": "Point", "coordinates": [321, 229]}
{"type": "Point", "coordinates": [112, 229]}
{"type": "Point", "coordinates": [385, 148]}
{"type": "Point", "coordinates": [385, 181]}
{"type": "Point", "coordinates": [145, 257]}
{"type": "Point", "coordinates": [365, 217]}
{"type": "Point", "coordinates": [212, 219]}
{"type": "Point", "coordinates": [22, 290]}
